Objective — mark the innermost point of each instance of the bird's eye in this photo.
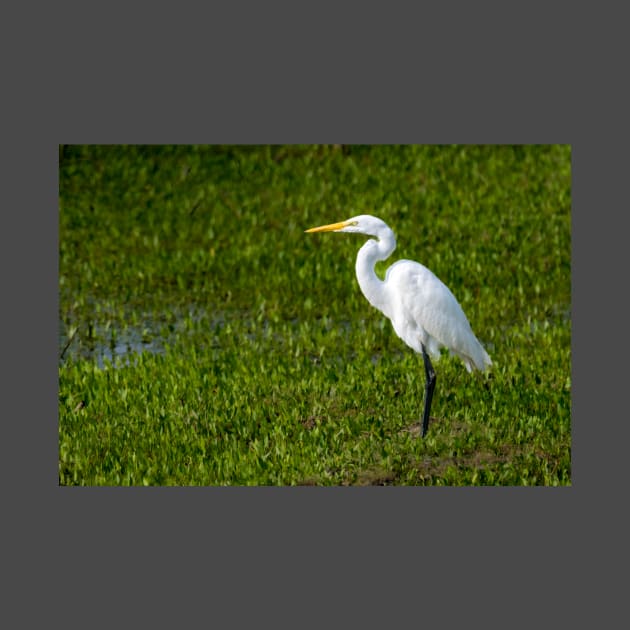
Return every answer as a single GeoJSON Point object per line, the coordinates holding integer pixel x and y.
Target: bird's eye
{"type": "Point", "coordinates": [354, 223]}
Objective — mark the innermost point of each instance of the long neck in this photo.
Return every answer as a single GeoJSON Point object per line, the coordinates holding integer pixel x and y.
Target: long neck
{"type": "Point", "coordinates": [372, 251]}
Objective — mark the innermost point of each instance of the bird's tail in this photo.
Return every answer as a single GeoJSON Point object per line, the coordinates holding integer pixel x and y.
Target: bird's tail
{"type": "Point", "coordinates": [478, 359]}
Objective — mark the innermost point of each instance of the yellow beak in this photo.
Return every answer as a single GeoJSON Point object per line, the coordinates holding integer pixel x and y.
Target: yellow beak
{"type": "Point", "coordinates": [329, 228]}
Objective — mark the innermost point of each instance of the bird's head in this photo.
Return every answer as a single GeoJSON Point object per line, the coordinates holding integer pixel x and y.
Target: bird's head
{"type": "Point", "coordinates": [361, 224]}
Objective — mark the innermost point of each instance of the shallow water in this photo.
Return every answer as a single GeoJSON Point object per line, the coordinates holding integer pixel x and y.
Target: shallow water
{"type": "Point", "coordinates": [117, 343]}
{"type": "Point", "coordinates": [118, 351]}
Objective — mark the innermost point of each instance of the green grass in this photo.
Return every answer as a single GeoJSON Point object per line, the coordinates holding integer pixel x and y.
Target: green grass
{"type": "Point", "coordinates": [206, 340]}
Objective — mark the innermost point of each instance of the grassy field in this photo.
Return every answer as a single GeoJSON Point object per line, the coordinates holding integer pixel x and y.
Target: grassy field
{"type": "Point", "coordinates": [206, 340]}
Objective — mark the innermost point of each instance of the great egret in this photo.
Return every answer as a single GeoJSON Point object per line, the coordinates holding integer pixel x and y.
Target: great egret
{"type": "Point", "coordinates": [422, 309]}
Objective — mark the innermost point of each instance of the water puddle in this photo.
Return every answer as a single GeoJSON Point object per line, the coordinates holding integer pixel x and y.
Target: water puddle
{"type": "Point", "coordinates": [119, 345]}
{"type": "Point", "coordinates": [117, 349]}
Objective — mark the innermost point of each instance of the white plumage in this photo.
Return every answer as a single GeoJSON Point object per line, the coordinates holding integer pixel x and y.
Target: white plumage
{"type": "Point", "coordinates": [422, 309]}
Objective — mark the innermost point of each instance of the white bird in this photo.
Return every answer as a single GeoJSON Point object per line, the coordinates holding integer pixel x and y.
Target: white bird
{"type": "Point", "coordinates": [422, 309]}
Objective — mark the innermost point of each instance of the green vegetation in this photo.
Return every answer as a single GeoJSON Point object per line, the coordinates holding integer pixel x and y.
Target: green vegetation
{"type": "Point", "coordinates": [206, 340]}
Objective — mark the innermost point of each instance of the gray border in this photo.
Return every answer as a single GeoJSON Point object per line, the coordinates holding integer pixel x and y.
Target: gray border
{"type": "Point", "coordinates": [363, 75]}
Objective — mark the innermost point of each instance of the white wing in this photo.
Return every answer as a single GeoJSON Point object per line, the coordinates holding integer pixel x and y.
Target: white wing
{"type": "Point", "coordinates": [425, 311]}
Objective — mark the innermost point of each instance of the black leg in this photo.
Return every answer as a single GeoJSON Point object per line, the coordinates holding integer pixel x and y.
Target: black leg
{"type": "Point", "coordinates": [428, 390]}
